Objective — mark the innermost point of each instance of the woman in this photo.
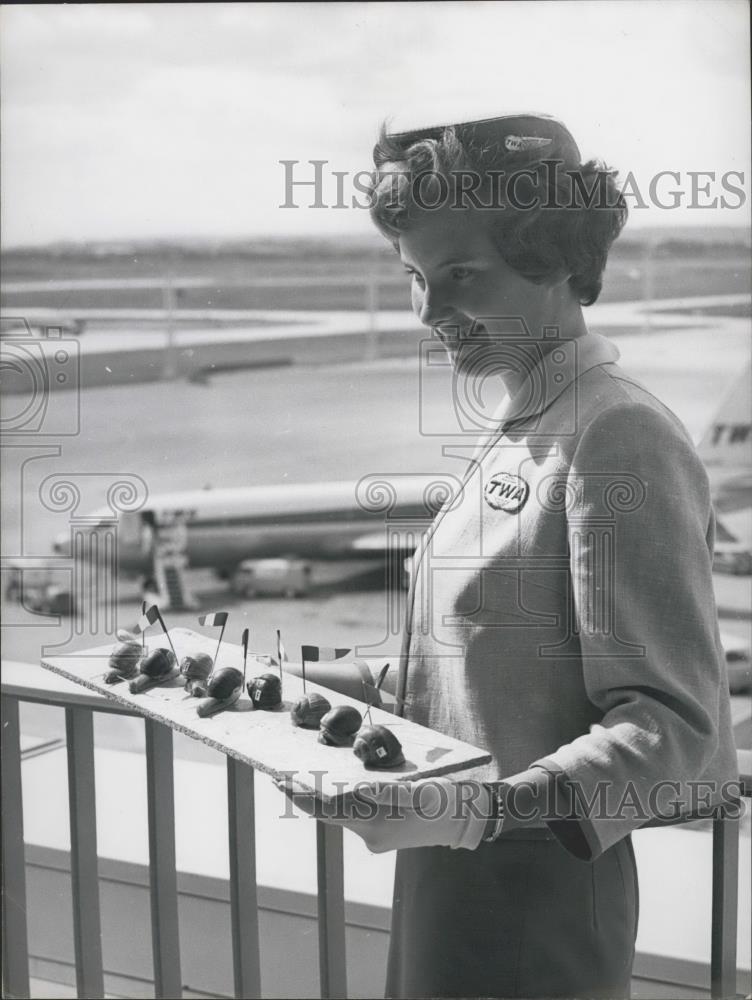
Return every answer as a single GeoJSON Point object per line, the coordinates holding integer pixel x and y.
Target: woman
{"type": "Point", "coordinates": [562, 612]}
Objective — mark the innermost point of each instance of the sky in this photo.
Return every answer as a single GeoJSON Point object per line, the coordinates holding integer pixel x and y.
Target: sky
{"type": "Point", "coordinates": [170, 120]}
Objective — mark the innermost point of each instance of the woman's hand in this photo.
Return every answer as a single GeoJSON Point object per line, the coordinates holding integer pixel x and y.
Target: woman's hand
{"type": "Point", "coordinates": [433, 812]}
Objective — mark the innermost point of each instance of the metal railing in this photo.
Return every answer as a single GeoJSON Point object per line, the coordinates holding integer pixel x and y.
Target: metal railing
{"type": "Point", "coordinates": [79, 706]}
{"type": "Point", "coordinates": [79, 709]}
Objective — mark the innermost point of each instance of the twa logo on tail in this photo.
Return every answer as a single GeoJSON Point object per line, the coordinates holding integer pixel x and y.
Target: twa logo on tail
{"type": "Point", "coordinates": [727, 441]}
{"type": "Point", "coordinates": [726, 448]}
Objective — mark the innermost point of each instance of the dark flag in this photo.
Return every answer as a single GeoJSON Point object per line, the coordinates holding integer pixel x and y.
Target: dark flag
{"type": "Point", "coordinates": [150, 617]}
{"type": "Point", "coordinates": [319, 654]}
{"type": "Point", "coordinates": [219, 618]}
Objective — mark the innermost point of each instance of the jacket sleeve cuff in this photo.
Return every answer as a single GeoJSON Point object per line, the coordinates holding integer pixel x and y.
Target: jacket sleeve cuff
{"type": "Point", "coordinates": [539, 795]}
{"type": "Point", "coordinates": [574, 833]}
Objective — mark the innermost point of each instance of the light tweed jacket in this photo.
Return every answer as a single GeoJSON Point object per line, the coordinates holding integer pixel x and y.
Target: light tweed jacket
{"type": "Point", "coordinates": [562, 612]}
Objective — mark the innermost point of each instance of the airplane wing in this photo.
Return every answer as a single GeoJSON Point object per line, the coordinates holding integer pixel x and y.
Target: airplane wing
{"type": "Point", "coordinates": [376, 542]}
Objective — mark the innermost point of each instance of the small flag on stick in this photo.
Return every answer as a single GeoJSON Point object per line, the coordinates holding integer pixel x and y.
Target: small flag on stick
{"type": "Point", "coordinates": [216, 620]}
{"type": "Point", "coordinates": [320, 654]}
{"type": "Point", "coordinates": [219, 618]}
{"type": "Point", "coordinates": [164, 628]}
{"type": "Point", "coordinates": [281, 653]}
{"type": "Point", "coordinates": [150, 616]}
{"type": "Point", "coordinates": [244, 641]}
{"type": "Point", "coordinates": [374, 687]}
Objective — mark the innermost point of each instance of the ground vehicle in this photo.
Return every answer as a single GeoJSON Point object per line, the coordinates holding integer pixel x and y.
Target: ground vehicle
{"type": "Point", "coordinates": [38, 588]}
{"type": "Point", "coordinates": [732, 556]}
{"type": "Point", "coordinates": [291, 577]}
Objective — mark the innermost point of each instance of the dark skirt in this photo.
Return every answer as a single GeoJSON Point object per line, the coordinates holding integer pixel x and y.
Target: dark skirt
{"type": "Point", "coordinates": [517, 918]}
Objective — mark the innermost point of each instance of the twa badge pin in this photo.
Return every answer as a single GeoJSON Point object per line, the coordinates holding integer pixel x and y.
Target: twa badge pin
{"type": "Point", "coordinates": [505, 491]}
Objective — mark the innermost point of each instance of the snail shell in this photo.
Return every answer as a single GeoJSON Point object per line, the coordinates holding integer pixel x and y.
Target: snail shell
{"type": "Point", "coordinates": [339, 726]}
{"type": "Point", "coordinates": [223, 689]}
{"type": "Point", "coordinates": [309, 710]}
{"type": "Point", "coordinates": [265, 691]}
{"type": "Point", "coordinates": [377, 746]}
{"type": "Point", "coordinates": [224, 681]}
{"type": "Point", "coordinates": [158, 667]}
{"type": "Point", "coordinates": [124, 661]}
{"type": "Point", "coordinates": [196, 670]}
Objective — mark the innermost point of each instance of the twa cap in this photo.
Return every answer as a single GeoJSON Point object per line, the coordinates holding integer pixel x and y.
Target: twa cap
{"type": "Point", "coordinates": [511, 140]}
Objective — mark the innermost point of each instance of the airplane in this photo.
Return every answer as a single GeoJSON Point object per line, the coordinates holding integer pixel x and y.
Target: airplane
{"type": "Point", "coordinates": [220, 528]}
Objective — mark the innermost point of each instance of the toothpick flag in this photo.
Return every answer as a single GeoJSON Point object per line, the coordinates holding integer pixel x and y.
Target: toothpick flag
{"type": "Point", "coordinates": [216, 620]}
{"type": "Point", "coordinates": [244, 641]}
{"type": "Point", "coordinates": [160, 619]}
{"type": "Point", "coordinates": [374, 687]}
{"type": "Point", "coordinates": [281, 653]}
{"type": "Point", "coordinates": [149, 617]}
{"type": "Point", "coordinates": [219, 618]}
{"type": "Point", "coordinates": [320, 654]}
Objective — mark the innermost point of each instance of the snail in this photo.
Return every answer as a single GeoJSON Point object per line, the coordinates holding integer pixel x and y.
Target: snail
{"type": "Point", "coordinates": [309, 710]}
{"type": "Point", "coordinates": [124, 661]}
{"type": "Point", "coordinates": [223, 690]}
{"type": "Point", "coordinates": [157, 668]}
{"type": "Point", "coordinates": [196, 670]}
{"type": "Point", "coordinates": [377, 746]}
{"type": "Point", "coordinates": [265, 691]}
{"type": "Point", "coordinates": [339, 726]}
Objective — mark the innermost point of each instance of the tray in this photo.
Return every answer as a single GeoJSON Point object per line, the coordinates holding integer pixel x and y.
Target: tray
{"type": "Point", "coordinates": [267, 740]}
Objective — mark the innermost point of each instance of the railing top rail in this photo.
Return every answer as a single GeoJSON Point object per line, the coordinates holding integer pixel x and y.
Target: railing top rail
{"type": "Point", "coordinates": [269, 281]}
{"type": "Point", "coordinates": [30, 682]}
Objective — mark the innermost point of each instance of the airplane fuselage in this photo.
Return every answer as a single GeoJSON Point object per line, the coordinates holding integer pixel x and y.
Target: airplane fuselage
{"type": "Point", "coordinates": [220, 528]}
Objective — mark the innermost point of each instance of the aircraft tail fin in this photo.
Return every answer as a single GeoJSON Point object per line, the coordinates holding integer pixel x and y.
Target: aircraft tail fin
{"type": "Point", "coordinates": [727, 440]}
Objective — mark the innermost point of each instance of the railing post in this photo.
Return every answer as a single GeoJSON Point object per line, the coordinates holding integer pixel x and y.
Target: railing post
{"type": "Point", "coordinates": [243, 893]}
{"type": "Point", "coordinates": [724, 906]}
{"type": "Point", "coordinates": [15, 936]}
{"type": "Point", "coordinates": [331, 911]}
{"type": "Point", "coordinates": [87, 930]}
{"type": "Point", "coordinates": [163, 880]}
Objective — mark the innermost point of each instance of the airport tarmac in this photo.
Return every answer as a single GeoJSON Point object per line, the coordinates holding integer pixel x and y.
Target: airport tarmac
{"type": "Point", "coordinates": [308, 423]}
{"type": "Point", "coordinates": [331, 420]}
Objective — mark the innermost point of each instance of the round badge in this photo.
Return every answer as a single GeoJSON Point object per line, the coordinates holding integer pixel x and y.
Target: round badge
{"type": "Point", "coordinates": [505, 491]}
